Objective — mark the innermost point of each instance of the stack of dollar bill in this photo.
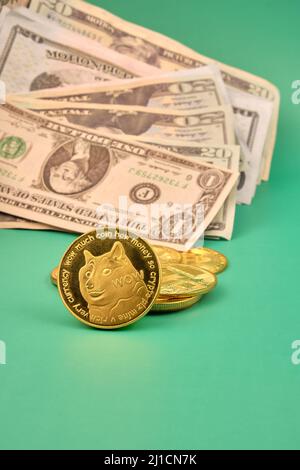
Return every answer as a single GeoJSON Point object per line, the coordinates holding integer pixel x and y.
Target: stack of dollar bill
{"type": "Point", "coordinates": [96, 108]}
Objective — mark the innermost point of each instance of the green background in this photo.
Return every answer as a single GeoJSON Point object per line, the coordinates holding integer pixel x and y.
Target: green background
{"type": "Point", "coordinates": [216, 376]}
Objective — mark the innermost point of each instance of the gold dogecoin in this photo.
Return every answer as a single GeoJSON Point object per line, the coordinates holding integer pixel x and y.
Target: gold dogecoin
{"type": "Point", "coordinates": [175, 305]}
{"type": "Point", "coordinates": [54, 275]}
{"type": "Point", "coordinates": [206, 258]}
{"type": "Point", "coordinates": [181, 280]}
{"type": "Point", "coordinates": [109, 280]}
{"type": "Point", "coordinates": [167, 255]}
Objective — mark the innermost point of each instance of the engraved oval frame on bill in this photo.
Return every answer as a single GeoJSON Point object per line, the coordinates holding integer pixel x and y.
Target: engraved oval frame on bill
{"type": "Point", "coordinates": [84, 180]}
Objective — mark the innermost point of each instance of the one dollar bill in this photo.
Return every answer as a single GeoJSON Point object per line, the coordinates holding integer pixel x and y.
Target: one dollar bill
{"type": "Point", "coordinates": [225, 156]}
{"type": "Point", "coordinates": [62, 174]}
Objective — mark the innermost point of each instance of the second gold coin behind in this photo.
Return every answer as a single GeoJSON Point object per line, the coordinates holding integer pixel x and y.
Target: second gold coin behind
{"type": "Point", "coordinates": [182, 280]}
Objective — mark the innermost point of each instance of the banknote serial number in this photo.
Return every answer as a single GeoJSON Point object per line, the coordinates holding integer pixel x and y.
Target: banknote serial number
{"type": "Point", "coordinates": [155, 460]}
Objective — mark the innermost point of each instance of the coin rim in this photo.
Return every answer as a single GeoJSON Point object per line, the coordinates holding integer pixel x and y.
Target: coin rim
{"type": "Point", "coordinates": [123, 325]}
{"type": "Point", "coordinates": [54, 282]}
{"type": "Point", "coordinates": [187, 304]}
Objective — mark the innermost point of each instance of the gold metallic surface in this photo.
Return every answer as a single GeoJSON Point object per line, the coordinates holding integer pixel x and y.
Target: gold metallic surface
{"type": "Point", "coordinates": [175, 305]}
{"type": "Point", "coordinates": [182, 280]}
{"type": "Point", "coordinates": [206, 258]}
{"type": "Point", "coordinates": [185, 278]}
{"type": "Point", "coordinates": [109, 282]}
{"type": "Point", "coordinates": [54, 275]}
{"type": "Point", "coordinates": [167, 255]}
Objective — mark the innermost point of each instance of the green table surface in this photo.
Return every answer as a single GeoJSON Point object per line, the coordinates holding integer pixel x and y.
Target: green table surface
{"type": "Point", "coordinates": [217, 376]}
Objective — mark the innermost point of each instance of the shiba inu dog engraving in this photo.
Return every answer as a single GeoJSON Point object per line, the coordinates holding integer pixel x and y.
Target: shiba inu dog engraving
{"type": "Point", "coordinates": [109, 282]}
